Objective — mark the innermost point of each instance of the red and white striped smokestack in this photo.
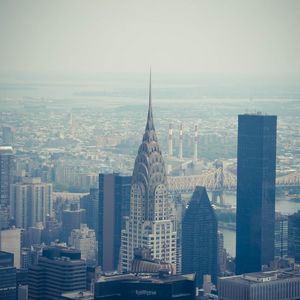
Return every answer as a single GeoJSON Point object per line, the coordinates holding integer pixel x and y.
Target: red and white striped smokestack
{"type": "Point", "coordinates": [180, 141]}
{"type": "Point", "coordinates": [170, 146]}
{"type": "Point", "coordinates": [196, 144]}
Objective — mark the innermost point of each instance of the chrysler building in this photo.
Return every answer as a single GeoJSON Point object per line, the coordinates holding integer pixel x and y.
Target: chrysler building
{"type": "Point", "coordinates": [150, 225]}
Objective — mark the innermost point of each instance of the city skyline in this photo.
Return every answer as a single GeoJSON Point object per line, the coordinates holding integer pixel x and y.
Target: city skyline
{"type": "Point", "coordinates": [149, 239]}
{"type": "Point", "coordinates": [116, 184]}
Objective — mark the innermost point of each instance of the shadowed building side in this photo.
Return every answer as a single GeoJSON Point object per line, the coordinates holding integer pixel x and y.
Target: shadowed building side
{"type": "Point", "coordinates": [114, 206]}
{"type": "Point", "coordinates": [200, 237]}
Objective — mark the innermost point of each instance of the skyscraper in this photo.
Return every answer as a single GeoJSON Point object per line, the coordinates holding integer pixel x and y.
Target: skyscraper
{"type": "Point", "coordinates": [90, 203]}
{"type": "Point", "coordinates": [6, 174]}
{"type": "Point", "coordinates": [281, 235]}
{"type": "Point", "coordinates": [114, 206]}
{"type": "Point", "coordinates": [256, 167]}
{"type": "Point", "coordinates": [58, 270]}
{"type": "Point", "coordinates": [149, 225]}
{"type": "Point", "coordinates": [200, 238]}
{"type": "Point", "coordinates": [294, 236]}
{"type": "Point", "coordinates": [31, 201]}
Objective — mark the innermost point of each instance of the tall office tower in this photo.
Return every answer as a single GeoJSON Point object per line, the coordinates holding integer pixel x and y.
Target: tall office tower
{"type": "Point", "coordinates": [149, 224]}
{"type": "Point", "coordinates": [58, 270]}
{"type": "Point", "coordinates": [31, 201]}
{"type": "Point", "coordinates": [114, 206]}
{"type": "Point", "coordinates": [10, 241]}
{"type": "Point", "coordinates": [7, 136]}
{"type": "Point", "coordinates": [281, 235]}
{"type": "Point", "coordinates": [170, 140]}
{"type": "Point", "coordinates": [6, 177]}
{"type": "Point", "coordinates": [179, 209]}
{"type": "Point", "coordinates": [84, 240]}
{"type": "Point", "coordinates": [294, 236]}
{"type": "Point", "coordinates": [195, 158]}
{"type": "Point", "coordinates": [90, 203]}
{"type": "Point", "coordinates": [200, 238]}
{"type": "Point", "coordinates": [71, 219]}
{"type": "Point", "coordinates": [256, 167]}
{"type": "Point", "coordinates": [180, 142]}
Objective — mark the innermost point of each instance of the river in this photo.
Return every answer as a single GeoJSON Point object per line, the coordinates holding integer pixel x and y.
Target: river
{"type": "Point", "coordinates": [283, 205]}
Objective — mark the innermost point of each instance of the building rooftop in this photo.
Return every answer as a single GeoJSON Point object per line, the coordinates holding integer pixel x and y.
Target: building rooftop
{"type": "Point", "coordinates": [153, 278]}
{"type": "Point", "coordinates": [6, 149]}
{"type": "Point", "coordinates": [78, 295]}
{"type": "Point", "coordinates": [261, 277]}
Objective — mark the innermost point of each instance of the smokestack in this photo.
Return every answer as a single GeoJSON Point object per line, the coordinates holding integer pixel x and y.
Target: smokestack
{"type": "Point", "coordinates": [196, 144]}
{"type": "Point", "coordinates": [170, 148]}
{"type": "Point", "coordinates": [180, 141]}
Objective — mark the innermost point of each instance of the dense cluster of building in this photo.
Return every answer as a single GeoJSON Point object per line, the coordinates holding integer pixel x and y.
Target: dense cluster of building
{"type": "Point", "coordinates": [129, 238]}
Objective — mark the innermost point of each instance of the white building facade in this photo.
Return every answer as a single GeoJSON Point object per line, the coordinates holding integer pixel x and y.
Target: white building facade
{"type": "Point", "coordinates": [150, 224]}
{"type": "Point", "coordinates": [84, 239]}
{"type": "Point", "coordinates": [30, 202]}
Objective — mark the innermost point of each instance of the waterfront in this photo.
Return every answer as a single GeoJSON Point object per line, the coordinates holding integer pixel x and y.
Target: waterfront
{"type": "Point", "coordinates": [283, 205]}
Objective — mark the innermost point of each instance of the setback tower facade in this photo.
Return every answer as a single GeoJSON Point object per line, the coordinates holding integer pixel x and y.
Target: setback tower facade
{"type": "Point", "coordinates": [149, 224]}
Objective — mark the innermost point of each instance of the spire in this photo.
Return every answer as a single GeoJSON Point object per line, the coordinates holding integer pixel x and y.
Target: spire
{"type": "Point", "coordinates": [150, 124]}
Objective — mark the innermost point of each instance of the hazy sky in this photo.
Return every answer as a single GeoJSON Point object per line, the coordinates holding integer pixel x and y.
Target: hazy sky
{"type": "Point", "coordinates": [224, 36]}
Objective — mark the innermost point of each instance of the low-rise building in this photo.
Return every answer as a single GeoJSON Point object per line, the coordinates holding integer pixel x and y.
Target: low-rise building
{"type": "Point", "coordinates": [273, 285]}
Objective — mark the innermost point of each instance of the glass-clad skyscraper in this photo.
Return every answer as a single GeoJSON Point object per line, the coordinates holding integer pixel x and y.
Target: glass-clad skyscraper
{"type": "Point", "coordinates": [256, 172]}
{"type": "Point", "coordinates": [114, 207]}
{"type": "Point", "coordinates": [200, 238]}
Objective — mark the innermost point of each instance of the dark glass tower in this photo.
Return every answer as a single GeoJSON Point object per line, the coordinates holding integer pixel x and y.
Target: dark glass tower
{"type": "Point", "coordinates": [114, 205]}
{"type": "Point", "coordinates": [200, 238]}
{"type": "Point", "coordinates": [90, 203]}
{"type": "Point", "coordinates": [256, 172]}
{"type": "Point", "coordinates": [294, 236]}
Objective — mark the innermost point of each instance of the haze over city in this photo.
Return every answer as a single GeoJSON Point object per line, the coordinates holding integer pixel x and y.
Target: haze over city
{"type": "Point", "coordinates": [149, 148]}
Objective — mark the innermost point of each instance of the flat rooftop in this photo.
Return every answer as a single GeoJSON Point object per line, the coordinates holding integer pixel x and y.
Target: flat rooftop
{"type": "Point", "coordinates": [146, 278]}
{"type": "Point", "coordinates": [262, 277]}
{"type": "Point", "coordinates": [6, 149]}
{"type": "Point", "coordinates": [78, 295]}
